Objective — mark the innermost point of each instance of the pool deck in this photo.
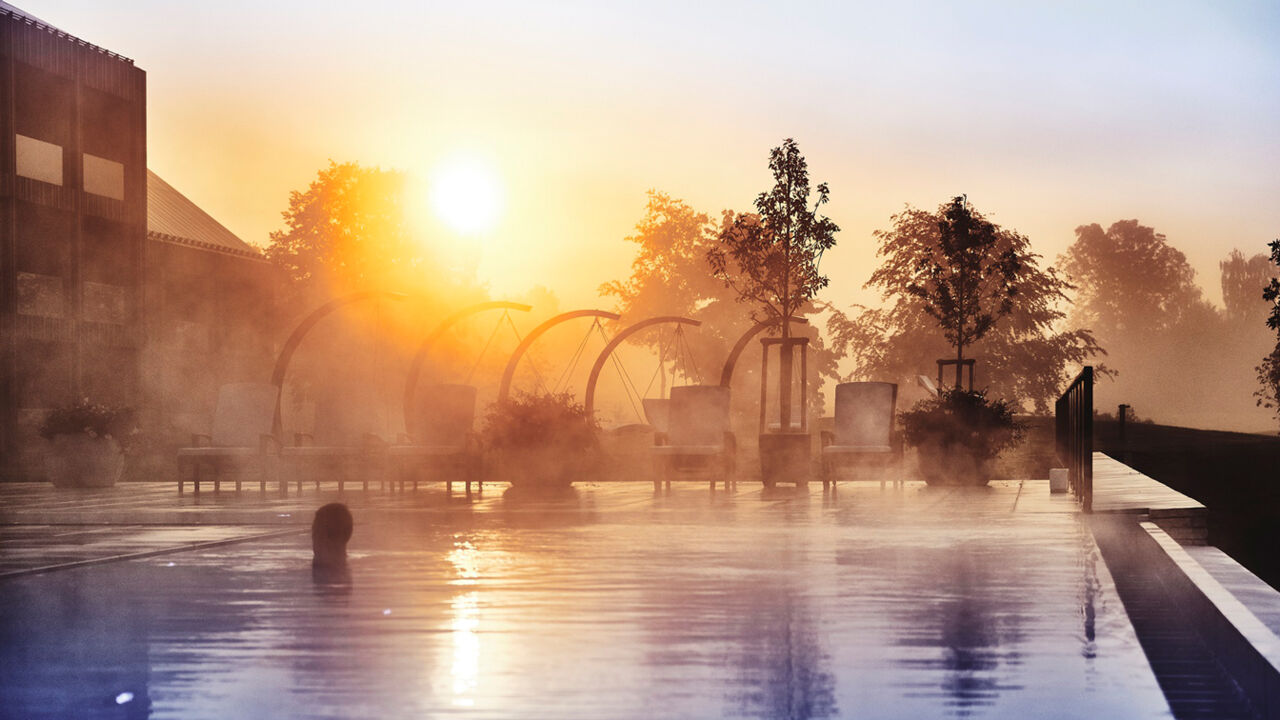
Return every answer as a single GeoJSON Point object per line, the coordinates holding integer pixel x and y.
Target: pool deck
{"type": "Point", "coordinates": [616, 602]}
{"type": "Point", "coordinates": [1118, 488]}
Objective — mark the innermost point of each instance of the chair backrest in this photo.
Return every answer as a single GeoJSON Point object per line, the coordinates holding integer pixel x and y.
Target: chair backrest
{"type": "Point", "coordinates": [244, 414]}
{"type": "Point", "coordinates": [657, 412]}
{"type": "Point", "coordinates": [446, 414]}
{"type": "Point", "coordinates": [864, 412]}
{"type": "Point", "coordinates": [699, 415]}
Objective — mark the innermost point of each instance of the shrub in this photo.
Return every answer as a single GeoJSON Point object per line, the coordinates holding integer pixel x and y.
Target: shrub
{"type": "Point", "coordinates": [543, 440]}
{"type": "Point", "coordinates": [92, 419]}
{"type": "Point", "coordinates": [963, 418]}
{"type": "Point", "coordinates": [531, 421]}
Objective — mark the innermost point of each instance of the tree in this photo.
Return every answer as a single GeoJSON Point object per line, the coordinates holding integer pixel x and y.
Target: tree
{"type": "Point", "coordinates": [1242, 281]}
{"type": "Point", "coordinates": [1140, 296]}
{"type": "Point", "coordinates": [1130, 280]}
{"type": "Point", "coordinates": [1025, 355]}
{"type": "Point", "coordinates": [771, 257]}
{"type": "Point", "coordinates": [348, 231]}
{"type": "Point", "coordinates": [964, 278]}
{"type": "Point", "coordinates": [670, 276]}
{"type": "Point", "coordinates": [1269, 370]}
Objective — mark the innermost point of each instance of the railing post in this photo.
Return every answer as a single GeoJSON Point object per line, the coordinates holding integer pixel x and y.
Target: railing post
{"type": "Point", "coordinates": [1073, 431]}
{"type": "Point", "coordinates": [1086, 439]}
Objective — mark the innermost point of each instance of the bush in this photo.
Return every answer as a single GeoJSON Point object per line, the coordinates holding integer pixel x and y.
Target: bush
{"type": "Point", "coordinates": [963, 418]}
{"type": "Point", "coordinates": [541, 439]}
{"type": "Point", "coordinates": [92, 419]}
{"type": "Point", "coordinates": [534, 421]}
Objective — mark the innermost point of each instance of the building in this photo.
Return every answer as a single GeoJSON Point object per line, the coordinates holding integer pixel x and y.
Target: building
{"type": "Point", "coordinates": [113, 286]}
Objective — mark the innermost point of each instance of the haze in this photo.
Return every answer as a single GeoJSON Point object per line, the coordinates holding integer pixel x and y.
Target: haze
{"type": "Point", "coordinates": [1048, 117]}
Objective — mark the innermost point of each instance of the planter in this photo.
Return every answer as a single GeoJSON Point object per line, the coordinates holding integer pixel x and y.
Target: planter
{"type": "Point", "coordinates": [542, 467]}
{"type": "Point", "coordinates": [784, 457]}
{"type": "Point", "coordinates": [80, 461]}
{"type": "Point", "coordinates": [955, 464]}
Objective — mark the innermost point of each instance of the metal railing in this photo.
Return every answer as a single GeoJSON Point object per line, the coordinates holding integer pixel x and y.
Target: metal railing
{"type": "Point", "coordinates": [1074, 435]}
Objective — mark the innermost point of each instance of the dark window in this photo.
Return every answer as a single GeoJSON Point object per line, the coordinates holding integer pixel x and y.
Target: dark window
{"type": "Point", "coordinates": [107, 129]}
{"type": "Point", "coordinates": [44, 105]}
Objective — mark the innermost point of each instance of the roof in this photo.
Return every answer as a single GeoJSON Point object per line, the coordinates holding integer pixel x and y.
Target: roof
{"type": "Point", "coordinates": [172, 217]}
{"type": "Point", "coordinates": [17, 12]}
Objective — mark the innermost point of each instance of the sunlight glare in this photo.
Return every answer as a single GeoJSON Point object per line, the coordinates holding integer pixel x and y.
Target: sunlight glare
{"type": "Point", "coordinates": [466, 194]}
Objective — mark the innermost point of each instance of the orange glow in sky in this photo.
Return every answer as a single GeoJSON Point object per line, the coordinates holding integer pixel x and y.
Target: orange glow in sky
{"type": "Point", "coordinates": [1047, 117]}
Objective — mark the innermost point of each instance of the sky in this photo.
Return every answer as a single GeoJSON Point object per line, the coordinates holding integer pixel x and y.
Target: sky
{"type": "Point", "coordinates": [1047, 116]}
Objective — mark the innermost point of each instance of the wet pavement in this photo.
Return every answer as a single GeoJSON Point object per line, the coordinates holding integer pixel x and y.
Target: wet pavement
{"type": "Point", "coordinates": [612, 603]}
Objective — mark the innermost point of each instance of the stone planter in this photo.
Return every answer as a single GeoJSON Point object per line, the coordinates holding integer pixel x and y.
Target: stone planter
{"type": "Point", "coordinates": [80, 461]}
{"type": "Point", "coordinates": [955, 464]}
{"type": "Point", "coordinates": [784, 458]}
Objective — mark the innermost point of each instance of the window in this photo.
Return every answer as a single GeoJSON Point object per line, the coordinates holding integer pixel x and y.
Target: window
{"type": "Point", "coordinates": [39, 160]}
{"type": "Point", "coordinates": [103, 177]}
{"type": "Point", "coordinates": [106, 303]}
{"type": "Point", "coordinates": [41, 295]}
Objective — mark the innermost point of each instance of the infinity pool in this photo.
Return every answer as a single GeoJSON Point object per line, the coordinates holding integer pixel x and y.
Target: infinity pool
{"type": "Point", "coordinates": [615, 603]}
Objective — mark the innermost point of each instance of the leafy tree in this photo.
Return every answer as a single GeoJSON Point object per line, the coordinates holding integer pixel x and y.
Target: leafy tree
{"type": "Point", "coordinates": [1139, 295]}
{"type": "Point", "coordinates": [1242, 279]}
{"type": "Point", "coordinates": [965, 279]}
{"type": "Point", "coordinates": [770, 257]}
{"type": "Point", "coordinates": [348, 231]}
{"type": "Point", "coordinates": [670, 276]}
{"type": "Point", "coordinates": [1025, 356]}
{"type": "Point", "coordinates": [1130, 280]}
{"type": "Point", "coordinates": [1269, 370]}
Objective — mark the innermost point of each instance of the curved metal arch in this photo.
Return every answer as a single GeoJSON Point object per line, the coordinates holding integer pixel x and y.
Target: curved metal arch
{"type": "Point", "coordinates": [726, 374]}
{"type": "Point", "coordinates": [505, 389]}
{"type": "Point", "coordinates": [594, 377]}
{"type": "Point", "coordinates": [300, 333]}
{"type": "Point", "coordinates": [415, 365]}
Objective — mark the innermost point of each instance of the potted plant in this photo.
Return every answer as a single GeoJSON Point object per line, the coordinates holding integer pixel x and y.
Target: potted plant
{"type": "Point", "coordinates": [543, 441]}
{"type": "Point", "coordinates": [85, 444]}
{"type": "Point", "coordinates": [957, 434]}
{"type": "Point", "coordinates": [771, 259]}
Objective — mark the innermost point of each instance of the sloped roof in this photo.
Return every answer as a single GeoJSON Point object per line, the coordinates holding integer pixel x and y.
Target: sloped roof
{"type": "Point", "coordinates": [174, 218]}
{"type": "Point", "coordinates": [13, 11]}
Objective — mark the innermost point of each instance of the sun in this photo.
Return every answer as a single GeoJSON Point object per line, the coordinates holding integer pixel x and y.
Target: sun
{"type": "Point", "coordinates": [466, 194]}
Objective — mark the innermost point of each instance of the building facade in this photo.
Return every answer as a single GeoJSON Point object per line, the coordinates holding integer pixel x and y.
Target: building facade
{"type": "Point", "coordinates": [89, 299]}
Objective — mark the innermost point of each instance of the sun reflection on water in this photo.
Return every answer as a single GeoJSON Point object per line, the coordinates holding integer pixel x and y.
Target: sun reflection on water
{"type": "Point", "coordinates": [464, 668]}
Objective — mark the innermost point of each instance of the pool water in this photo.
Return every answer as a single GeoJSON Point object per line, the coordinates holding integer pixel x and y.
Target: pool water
{"type": "Point", "coordinates": [613, 603]}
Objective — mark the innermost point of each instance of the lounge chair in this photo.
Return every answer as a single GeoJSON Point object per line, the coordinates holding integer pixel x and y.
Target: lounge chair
{"type": "Point", "coordinates": [698, 439]}
{"type": "Point", "coordinates": [864, 436]}
{"type": "Point", "coordinates": [240, 438]}
{"type": "Point", "coordinates": [345, 443]}
{"type": "Point", "coordinates": [657, 412]}
{"type": "Point", "coordinates": [443, 442]}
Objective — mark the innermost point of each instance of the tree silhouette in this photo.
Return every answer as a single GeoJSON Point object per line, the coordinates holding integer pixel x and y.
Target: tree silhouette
{"type": "Point", "coordinates": [348, 231]}
{"type": "Point", "coordinates": [770, 258]}
{"type": "Point", "coordinates": [670, 276]}
{"type": "Point", "coordinates": [1242, 280]}
{"type": "Point", "coordinates": [1269, 370]}
{"type": "Point", "coordinates": [1025, 355]}
{"type": "Point", "coordinates": [1130, 280]}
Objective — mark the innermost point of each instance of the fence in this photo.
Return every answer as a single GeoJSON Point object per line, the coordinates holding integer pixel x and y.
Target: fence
{"type": "Point", "coordinates": [1074, 435]}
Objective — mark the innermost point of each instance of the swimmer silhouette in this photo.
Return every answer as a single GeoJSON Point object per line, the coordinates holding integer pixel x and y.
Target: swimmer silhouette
{"type": "Point", "coordinates": [330, 531]}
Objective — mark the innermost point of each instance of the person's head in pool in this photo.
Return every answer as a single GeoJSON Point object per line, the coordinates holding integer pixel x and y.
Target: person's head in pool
{"type": "Point", "coordinates": [330, 531]}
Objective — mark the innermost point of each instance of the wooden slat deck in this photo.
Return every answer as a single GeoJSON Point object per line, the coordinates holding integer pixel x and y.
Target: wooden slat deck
{"type": "Point", "coordinates": [1118, 488]}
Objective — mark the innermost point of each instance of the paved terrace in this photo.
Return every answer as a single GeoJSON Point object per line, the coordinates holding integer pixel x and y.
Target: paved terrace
{"type": "Point", "coordinates": [615, 602]}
